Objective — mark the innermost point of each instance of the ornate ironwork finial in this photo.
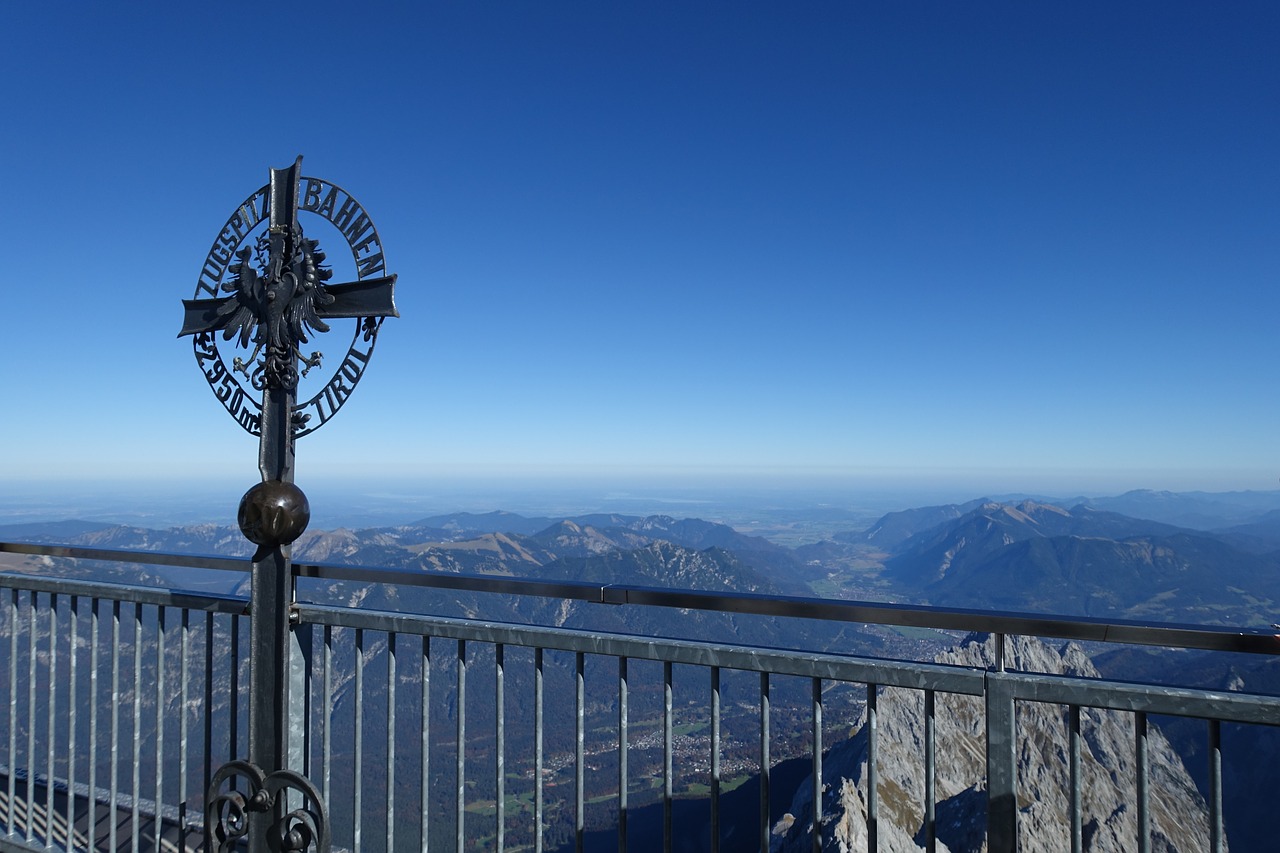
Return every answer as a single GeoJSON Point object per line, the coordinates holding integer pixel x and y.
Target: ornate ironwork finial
{"type": "Point", "coordinates": [227, 810]}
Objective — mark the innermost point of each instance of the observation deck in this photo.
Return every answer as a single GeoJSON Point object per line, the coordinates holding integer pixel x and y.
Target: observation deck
{"type": "Point", "coordinates": [469, 732]}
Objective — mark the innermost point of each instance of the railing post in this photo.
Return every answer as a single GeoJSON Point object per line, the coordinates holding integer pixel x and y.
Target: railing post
{"type": "Point", "coordinates": [1002, 774]}
{"type": "Point", "coordinates": [269, 644]}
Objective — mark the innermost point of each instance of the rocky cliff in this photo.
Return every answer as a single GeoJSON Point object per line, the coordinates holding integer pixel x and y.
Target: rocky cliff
{"type": "Point", "coordinates": [1179, 818]}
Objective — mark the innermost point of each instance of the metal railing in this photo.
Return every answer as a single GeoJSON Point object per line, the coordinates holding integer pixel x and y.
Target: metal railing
{"type": "Point", "coordinates": [451, 733]}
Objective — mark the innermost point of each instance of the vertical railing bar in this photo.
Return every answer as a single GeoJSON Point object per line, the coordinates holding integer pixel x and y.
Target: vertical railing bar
{"type": "Point", "coordinates": [461, 801]}
{"type": "Point", "coordinates": [92, 822]}
{"type": "Point", "coordinates": [184, 767]}
{"type": "Point", "coordinates": [72, 701]}
{"type": "Point", "coordinates": [311, 730]}
{"type": "Point", "coordinates": [1144, 812]}
{"type": "Point", "coordinates": [115, 727]}
{"type": "Point", "coordinates": [579, 752]}
{"type": "Point", "coordinates": [765, 761]}
{"type": "Point", "coordinates": [304, 644]}
{"type": "Point", "coordinates": [815, 830]}
{"type": "Point", "coordinates": [234, 743]}
{"type": "Point", "coordinates": [1216, 833]}
{"type": "Point", "coordinates": [873, 768]}
{"type": "Point", "coordinates": [623, 726]}
{"type": "Point", "coordinates": [136, 836]}
{"type": "Point", "coordinates": [31, 717]}
{"type": "Point", "coordinates": [51, 729]}
{"type": "Point", "coordinates": [391, 742]}
{"type": "Point", "coordinates": [537, 750]}
{"type": "Point", "coordinates": [424, 747]}
{"type": "Point", "coordinates": [715, 759]}
{"type": "Point", "coordinates": [930, 773]}
{"type": "Point", "coordinates": [357, 817]}
{"type": "Point", "coordinates": [160, 715]}
{"type": "Point", "coordinates": [500, 746]}
{"type": "Point", "coordinates": [13, 710]}
{"type": "Point", "coordinates": [326, 715]}
{"type": "Point", "coordinates": [207, 773]}
{"type": "Point", "coordinates": [1077, 827]}
{"type": "Point", "coordinates": [667, 783]}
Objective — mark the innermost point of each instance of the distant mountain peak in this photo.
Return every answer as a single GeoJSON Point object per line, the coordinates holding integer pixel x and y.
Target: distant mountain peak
{"type": "Point", "coordinates": [565, 526]}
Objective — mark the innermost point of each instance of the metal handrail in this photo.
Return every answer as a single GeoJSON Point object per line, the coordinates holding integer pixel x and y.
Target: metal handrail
{"type": "Point", "coordinates": [1204, 637]}
{"type": "Point", "coordinates": [154, 596]}
{"type": "Point", "coordinates": [119, 555]}
{"type": "Point", "coordinates": [886, 673]}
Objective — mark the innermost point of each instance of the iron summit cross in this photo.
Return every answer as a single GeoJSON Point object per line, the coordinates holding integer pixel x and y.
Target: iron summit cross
{"type": "Point", "coordinates": [278, 308]}
{"type": "Point", "coordinates": [277, 296]}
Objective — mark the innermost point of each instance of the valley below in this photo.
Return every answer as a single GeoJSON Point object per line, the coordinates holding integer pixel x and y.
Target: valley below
{"type": "Point", "coordinates": [1189, 558]}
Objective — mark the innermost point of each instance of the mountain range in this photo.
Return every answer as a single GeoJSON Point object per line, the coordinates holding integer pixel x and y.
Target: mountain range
{"type": "Point", "coordinates": [1190, 558]}
{"type": "Point", "coordinates": [1029, 556]}
{"type": "Point", "coordinates": [1085, 562]}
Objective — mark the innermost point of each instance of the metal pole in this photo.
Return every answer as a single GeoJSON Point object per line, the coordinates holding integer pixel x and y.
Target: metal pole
{"type": "Point", "coordinates": [272, 587]}
{"type": "Point", "coordinates": [276, 307]}
{"type": "Point", "coordinates": [1002, 773]}
{"type": "Point", "coordinates": [272, 515]}
{"type": "Point", "coordinates": [269, 635]}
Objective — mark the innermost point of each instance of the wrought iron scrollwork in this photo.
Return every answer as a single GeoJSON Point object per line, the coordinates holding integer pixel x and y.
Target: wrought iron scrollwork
{"type": "Point", "coordinates": [226, 813]}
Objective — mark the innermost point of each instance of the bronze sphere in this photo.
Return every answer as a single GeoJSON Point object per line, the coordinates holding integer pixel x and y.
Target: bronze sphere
{"type": "Point", "coordinates": [273, 513]}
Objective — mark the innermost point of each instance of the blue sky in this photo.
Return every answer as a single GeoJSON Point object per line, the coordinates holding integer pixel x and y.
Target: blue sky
{"type": "Point", "coordinates": [1031, 243]}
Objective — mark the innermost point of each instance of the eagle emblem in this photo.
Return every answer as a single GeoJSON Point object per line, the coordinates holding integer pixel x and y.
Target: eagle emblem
{"type": "Point", "coordinates": [274, 305]}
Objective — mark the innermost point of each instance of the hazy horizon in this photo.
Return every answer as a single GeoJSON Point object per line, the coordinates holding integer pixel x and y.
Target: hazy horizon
{"type": "Point", "coordinates": [739, 496]}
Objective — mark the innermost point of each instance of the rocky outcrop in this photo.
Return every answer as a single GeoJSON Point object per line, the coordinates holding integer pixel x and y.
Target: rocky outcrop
{"type": "Point", "coordinates": [1179, 820]}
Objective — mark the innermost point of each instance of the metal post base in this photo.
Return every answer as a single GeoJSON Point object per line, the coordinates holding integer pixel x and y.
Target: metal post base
{"type": "Point", "coordinates": [227, 813]}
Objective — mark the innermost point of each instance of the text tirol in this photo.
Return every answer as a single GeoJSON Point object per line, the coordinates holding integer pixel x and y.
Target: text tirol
{"type": "Point", "coordinates": [335, 393]}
